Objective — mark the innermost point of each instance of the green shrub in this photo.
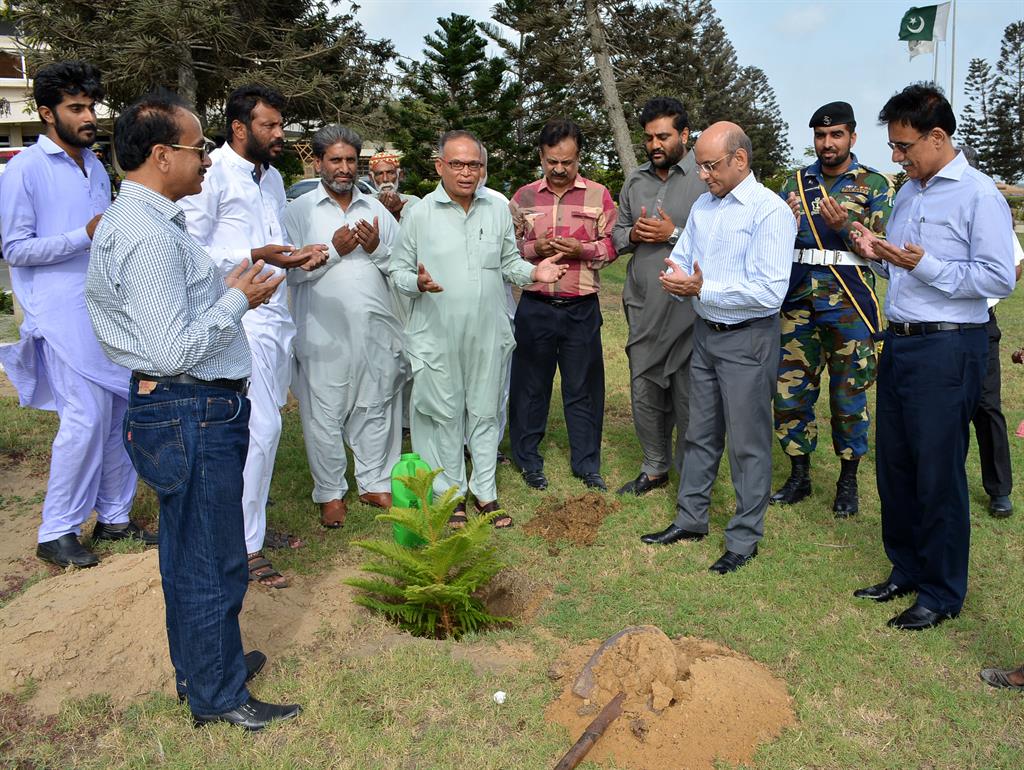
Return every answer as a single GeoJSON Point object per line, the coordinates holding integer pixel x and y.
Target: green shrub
{"type": "Point", "coordinates": [6, 303]}
{"type": "Point", "coordinates": [428, 591]}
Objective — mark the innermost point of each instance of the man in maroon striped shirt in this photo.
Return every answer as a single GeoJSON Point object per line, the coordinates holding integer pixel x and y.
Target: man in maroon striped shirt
{"type": "Point", "coordinates": [559, 324]}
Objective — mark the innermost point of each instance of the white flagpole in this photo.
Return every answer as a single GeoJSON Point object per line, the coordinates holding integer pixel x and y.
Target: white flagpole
{"type": "Point", "coordinates": [952, 61]}
{"type": "Point", "coordinates": [935, 61]}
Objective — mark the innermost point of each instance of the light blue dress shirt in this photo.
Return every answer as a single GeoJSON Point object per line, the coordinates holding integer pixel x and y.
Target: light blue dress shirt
{"type": "Point", "coordinates": [743, 243]}
{"type": "Point", "coordinates": [964, 225]}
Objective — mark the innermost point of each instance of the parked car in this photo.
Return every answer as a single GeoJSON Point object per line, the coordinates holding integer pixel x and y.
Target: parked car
{"type": "Point", "coordinates": [304, 186]}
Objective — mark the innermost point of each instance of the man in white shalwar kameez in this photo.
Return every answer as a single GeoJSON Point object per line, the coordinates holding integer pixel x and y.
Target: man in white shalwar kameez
{"type": "Point", "coordinates": [454, 252]}
{"type": "Point", "coordinates": [238, 216]}
{"type": "Point", "coordinates": [349, 368]}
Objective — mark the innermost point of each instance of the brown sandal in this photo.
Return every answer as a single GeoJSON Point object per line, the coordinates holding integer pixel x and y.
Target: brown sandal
{"type": "Point", "coordinates": [458, 519]}
{"type": "Point", "coordinates": [502, 522]}
{"type": "Point", "coordinates": [263, 572]}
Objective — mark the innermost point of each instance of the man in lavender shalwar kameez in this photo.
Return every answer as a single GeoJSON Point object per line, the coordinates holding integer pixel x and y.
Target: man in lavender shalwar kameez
{"type": "Point", "coordinates": [51, 198]}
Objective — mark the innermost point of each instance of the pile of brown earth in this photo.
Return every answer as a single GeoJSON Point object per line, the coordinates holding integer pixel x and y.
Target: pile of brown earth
{"type": "Point", "coordinates": [575, 520]}
{"type": "Point", "coordinates": [688, 702]}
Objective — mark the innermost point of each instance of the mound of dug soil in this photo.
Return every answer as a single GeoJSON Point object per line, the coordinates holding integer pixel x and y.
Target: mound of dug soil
{"type": "Point", "coordinates": [576, 519]}
{"type": "Point", "coordinates": [102, 630]}
{"type": "Point", "coordinates": [688, 702]}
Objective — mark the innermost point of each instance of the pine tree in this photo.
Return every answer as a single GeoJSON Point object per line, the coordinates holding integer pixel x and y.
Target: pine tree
{"type": "Point", "coordinates": [457, 86]}
{"type": "Point", "coordinates": [977, 121]}
{"type": "Point", "coordinates": [1007, 159]}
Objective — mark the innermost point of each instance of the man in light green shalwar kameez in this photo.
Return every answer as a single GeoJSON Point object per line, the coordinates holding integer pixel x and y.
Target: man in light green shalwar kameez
{"type": "Point", "coordinates": [453, 252]}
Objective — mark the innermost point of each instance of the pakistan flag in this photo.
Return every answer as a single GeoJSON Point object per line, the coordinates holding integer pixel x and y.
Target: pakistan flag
{"type": "Point", "coordinates": [925, 23]}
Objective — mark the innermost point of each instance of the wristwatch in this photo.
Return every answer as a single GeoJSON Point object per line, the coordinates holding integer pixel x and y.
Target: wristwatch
{"type": "Point", "coordinates": [675, 236]}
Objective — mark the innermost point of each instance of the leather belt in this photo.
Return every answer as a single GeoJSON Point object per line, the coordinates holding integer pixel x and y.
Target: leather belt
{"type": "Point", "coordinates": [558, 301]}
{"type": "Point", "coordinates": [238, 386]}
{"type": "Point", "coordinates": [827, 257]}
{"type": "Point", "coordinates": [910, 329]}
{"type": "Point", "coordinates": [719, 327]}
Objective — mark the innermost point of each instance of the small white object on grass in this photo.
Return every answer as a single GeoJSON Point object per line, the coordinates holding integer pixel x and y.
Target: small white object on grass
{"type": "Point", "coordinates": [499, 697]}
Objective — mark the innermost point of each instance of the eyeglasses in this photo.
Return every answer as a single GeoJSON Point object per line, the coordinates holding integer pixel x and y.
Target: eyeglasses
{"type": "Point", "coordinates": [904, 146]}
{"type": "Point", "coordinates": [204, 149]}
{"type": "Point", "coordinates": [462, 165]}
{"type": "Point", "coordinates": [708, 168]}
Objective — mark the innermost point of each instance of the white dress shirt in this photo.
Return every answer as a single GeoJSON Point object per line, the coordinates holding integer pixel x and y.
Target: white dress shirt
{"type": "Point", "coordinates": [743, 243]}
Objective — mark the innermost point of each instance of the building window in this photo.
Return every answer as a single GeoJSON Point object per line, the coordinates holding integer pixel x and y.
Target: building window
{"type": "Point", "coordinates": [10, 65]}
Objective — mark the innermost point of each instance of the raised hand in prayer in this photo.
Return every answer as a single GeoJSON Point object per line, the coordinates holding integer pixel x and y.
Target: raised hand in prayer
{"type": "Point", "coordinates": [549, 270]}
{"type": "Point", "coordinates": [344, 240]}
{"type": "Point", "coordinates": [393, 202]}
{"type": "Point", "coordinates": [279, 255]}
{"type": "Point", "coordinates": [257, 286]}
{"type": "Point", "coordinates": [368, 235]}
{"type": "Point", "coordinates": [652, 229]}
{"type": "Point", "coordinates": [675, 281]}
{"type": "Point", "coordinates": [424, 282]}
{"type": "Point", "coordinates": [835, 216]}
{"type": "Point", "coordinates": [568, 247]}
{"type": "Point", "coordinates": [316, 256]}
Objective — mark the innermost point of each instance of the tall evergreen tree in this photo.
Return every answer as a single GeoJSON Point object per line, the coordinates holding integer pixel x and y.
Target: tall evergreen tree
{"type": "Point", "coordinates": [977, 126]}
{"type": "Point", "coordinates": [458, 86]}
{"type": "Point", "coordinates": [1007, 160]}
{"type": "Point", "coordinates": [321, 60]}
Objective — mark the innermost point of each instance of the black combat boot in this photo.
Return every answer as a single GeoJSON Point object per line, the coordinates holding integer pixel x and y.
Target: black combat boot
{"type": "Point", "coordinates": [798, 485]}
{"type": "Point", "coordinates": [846, 490]}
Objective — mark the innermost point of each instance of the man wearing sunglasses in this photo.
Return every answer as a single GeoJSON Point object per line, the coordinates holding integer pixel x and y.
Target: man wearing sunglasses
{"type": "Point", "coordinates": [52, 197]}
{"type": "Point", "coordinates": [946, 252]}
{"type": "Point", "coordinates": [237, 217]}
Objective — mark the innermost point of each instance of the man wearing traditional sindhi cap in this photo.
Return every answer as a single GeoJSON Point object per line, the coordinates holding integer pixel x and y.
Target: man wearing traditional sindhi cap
{"type": "Point", "coordinates": [830, 316]}
{"type": "Point", "coordinates": [386, 173]}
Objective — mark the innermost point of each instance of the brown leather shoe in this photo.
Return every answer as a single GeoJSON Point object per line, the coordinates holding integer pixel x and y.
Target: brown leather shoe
{"type": "Point", "coordinates": [376, 499]}
{"type": "Point", "coordinates": [332, 513]}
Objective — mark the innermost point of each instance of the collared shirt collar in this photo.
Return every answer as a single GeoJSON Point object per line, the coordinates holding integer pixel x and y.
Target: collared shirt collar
{"type": "Point", "coordinates": [320, 191]}
{"type": "Point", "coordinates": [163, 205]}
{"type": "Point", "coordinates": [815, 168]}
{"type": "Point", "coordinates": [232, 157]}
{"type": "Point", "coordinates": [744, 191]}
{"type": "Point", "coordinates": [577, 184]}
{"type": "Point", "coordinates": [50, 147]}
{"type": "Point", "coordinates": [954, 169]}
{"type": "Point", "coordinates": [442, 196]}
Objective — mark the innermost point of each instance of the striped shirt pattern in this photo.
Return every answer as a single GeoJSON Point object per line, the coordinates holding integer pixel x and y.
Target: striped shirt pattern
{"type": "Point", "coordinates": [157, 302]}
{"type": "Point", "coordinates": [743, 243]}
{"type": "Point", "coordinates": [586, 212]}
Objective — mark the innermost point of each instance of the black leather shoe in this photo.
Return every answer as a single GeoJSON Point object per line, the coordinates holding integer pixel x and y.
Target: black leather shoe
{"type": "Point", "coordinates": [642, 484]}
{"type": "Point", "coordinates": [592, 481]}
{"type": "Point", "coordinates": [798, 485]}
{"type": "Point", "coordinates": [883, 592]}
{"type": "Point", "coordinates": [252, 715]}
{"type": "Point", "coordinates": [67, 551]}
{"type": "Point", "coordinates": [111, 532]}
{"type": "Point", "coordinates": [254, 663]}
{"type": "Point", "coordinates": [1000, 506]}
{"type": "Point", "coordinates": [730, 562]}
{"type": "Point", "coordinates": [918, 618]}
{"type": "Point", "coordinates": [535, 479]}
{"type": "Point", "coordinates": [671, 534]}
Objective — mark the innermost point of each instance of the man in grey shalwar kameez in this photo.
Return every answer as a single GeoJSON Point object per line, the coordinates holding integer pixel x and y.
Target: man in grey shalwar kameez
{"type": "Point", "coordinates": [349, 369]}
{"type": "Point", "coordinates": [453, 252]}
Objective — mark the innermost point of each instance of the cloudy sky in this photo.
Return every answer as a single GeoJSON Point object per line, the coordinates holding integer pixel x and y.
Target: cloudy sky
{"type": "Point", "coordinates": [812, 52]}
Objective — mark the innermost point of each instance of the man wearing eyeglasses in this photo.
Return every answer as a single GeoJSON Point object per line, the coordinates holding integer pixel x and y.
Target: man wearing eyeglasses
{"type": "Point", "coordinates": [830, 317]}
{"type": "Point", "coordinates": [946, 252]}
{"type": "Point", "coordinates": [559, 325]}
{"type": "Point", "coordinates": [732, 261]}
{"type": "Point", "coordinates": [237, 217]}
{"type": "Point", "coordinates": [454, 251]}
{"type": "Point", "coordinates": [52, 197]}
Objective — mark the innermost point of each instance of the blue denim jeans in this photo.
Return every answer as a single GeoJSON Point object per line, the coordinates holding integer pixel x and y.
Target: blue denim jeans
{"type": "Point", "coordinates": [189, 443]}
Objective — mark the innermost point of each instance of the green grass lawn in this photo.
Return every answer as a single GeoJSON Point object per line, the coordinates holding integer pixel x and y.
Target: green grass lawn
{"type": "Point", "coordinates": [866, 696]}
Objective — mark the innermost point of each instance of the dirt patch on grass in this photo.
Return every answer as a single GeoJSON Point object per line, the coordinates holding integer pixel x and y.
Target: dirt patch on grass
{"type": "Point", "coordinates": [575, 520]}
{"type": "Point", "coordinates": [102, 630]}
{"type": "Point", "coordinates": [511, 594]}
{"type": "Point", "coordinates": [689, 702]}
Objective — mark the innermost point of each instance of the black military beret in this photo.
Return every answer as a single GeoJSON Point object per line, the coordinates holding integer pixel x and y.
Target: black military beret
{"type": "Point", "coordinates": [832, 114]}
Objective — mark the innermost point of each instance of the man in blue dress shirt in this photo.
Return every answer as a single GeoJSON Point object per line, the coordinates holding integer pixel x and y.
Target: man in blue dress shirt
{"type": "Point", "coordinates": [946, 251]}
{"type": "Point", "coordinates": [733, 262]}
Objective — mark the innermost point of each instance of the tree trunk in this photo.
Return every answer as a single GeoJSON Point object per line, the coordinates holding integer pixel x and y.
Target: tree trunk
{"type": "Point", "coordinates": [609, 89]}
{"type": "Point", "coordinates": [188, 84]}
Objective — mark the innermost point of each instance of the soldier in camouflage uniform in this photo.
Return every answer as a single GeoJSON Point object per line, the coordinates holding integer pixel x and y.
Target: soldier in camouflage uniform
{"type": "Point", "coordinates": [830, 317]}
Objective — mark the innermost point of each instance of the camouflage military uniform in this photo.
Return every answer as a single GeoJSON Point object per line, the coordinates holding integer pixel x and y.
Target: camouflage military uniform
{"type": "Point", "coordinates": [829, 318]}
